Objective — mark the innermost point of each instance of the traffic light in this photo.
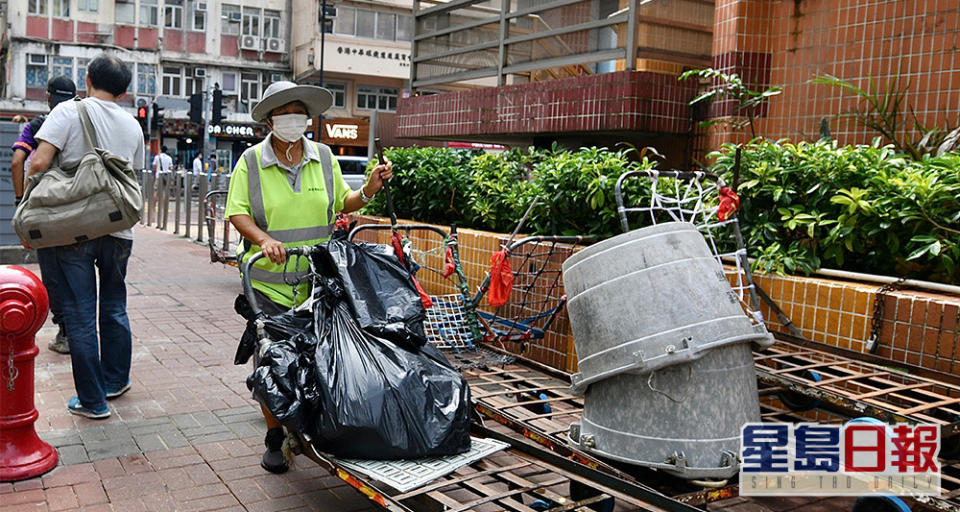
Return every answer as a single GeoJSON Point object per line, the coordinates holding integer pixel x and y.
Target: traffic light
{"type": "Point", "coordinates": [218, 107]}
{"type": "Point", "coordinates": [157, 119]}
{"type": "Point", "coordinates": [142, 114]}
{"type": "Point", "coordinates": [196, 108]}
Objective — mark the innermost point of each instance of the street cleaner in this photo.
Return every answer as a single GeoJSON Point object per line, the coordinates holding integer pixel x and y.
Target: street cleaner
{"type": "Point", "coordinates": [284, 193]}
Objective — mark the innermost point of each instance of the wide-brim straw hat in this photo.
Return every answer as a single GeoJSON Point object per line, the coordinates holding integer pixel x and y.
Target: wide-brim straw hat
{"type": "Point", "coordinates": [278, 94]}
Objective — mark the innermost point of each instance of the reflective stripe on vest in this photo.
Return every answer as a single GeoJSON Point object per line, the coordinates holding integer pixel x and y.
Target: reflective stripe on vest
{"type": "Point", "coordinates": [289, 277]}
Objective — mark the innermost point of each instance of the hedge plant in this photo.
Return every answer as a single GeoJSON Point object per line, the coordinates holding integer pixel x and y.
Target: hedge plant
{"type": "Point", "coordinates": [862, 208]}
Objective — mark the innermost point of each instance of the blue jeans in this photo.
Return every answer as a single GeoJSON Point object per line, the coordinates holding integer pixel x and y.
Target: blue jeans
{"type": "Point", "coordinates": [47, 258]}
{"type": "Point", "coordinates": [104, 363]}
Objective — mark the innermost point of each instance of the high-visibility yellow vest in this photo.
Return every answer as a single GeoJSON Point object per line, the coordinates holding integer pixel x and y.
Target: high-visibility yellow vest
{"type": "Point", "coordinates": [293, 218]}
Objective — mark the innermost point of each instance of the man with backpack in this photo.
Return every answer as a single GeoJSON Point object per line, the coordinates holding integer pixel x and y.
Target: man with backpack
{"type": "Point", "coordinates": [101, 368]}
{"type": "Point", "coordinates": [59, 89]}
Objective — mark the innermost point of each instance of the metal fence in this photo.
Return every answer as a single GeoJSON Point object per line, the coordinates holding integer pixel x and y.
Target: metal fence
{"type": "Point", "coordinates": [175, 200]}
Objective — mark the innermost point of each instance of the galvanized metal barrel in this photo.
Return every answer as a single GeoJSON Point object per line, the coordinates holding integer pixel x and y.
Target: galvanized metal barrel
{"type": "Point", "coordinates": [683, 419]}
{"type": "Point", "coordinates": [648, 299]}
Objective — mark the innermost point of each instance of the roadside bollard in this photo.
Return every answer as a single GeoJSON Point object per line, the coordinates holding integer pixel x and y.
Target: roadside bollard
{"type": "Point", "coordinates": [23, 309]}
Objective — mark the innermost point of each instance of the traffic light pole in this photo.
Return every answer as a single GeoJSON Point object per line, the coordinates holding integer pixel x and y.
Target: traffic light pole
{"type": "Point", "coordinates": [207, 146]}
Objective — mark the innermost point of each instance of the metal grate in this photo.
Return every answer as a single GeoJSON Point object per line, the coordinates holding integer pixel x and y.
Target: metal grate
{"type": "Point", "coordinates": [404, 475]}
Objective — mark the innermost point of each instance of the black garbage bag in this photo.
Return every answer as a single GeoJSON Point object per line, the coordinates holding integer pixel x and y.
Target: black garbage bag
{"type": "Point", "coordinates": [380, 291]}
{"type": "Point", "coordinates": [356, 394]}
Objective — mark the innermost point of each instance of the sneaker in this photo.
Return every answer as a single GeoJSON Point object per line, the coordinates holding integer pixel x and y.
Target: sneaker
{"type": "Point", "coordinates": [273, 459]}
{"type": "Point", "coordinates": [75, 407]}
{"type": "Point", "coordinates": [60, 343]}
{"type": "Point", "coordinates": [115, 393]}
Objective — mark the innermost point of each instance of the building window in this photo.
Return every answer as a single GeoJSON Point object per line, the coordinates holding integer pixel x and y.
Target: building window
{"type": "Point", "coordinates": [146, 79]}
{"type": "Point", "coordinates": [386, 26]}
{"type": "Point", "coordinates": [192, 83]}
{"type": "Point", "coordinates": [199, 15]}
{"type": "Point", "coordinates": [271, 23]}
{"type": "Point", "coordinates": [125, 13]}
{"type": "Point", "coordinates": [345, 21]}
{"type": "Point", "coordinates": [36, 71]}
{"type": "Point", "coordinates": [377, 98]}
{"type": "Point", "coordinates": [61, 8]}
{"type": "Point", "coordinates": [339, 94]}
{"type": "Point", "coordinates": [173, 14]}
{"type": "Point", "coordinates": [62, 66]}
{"type": "Point", "coordinates": [133, 74]}
{"type": "Point", "coordinates": [148, 13]}
{"type": "Point", "coordinates": [250, 89]}
{"type": "Point", "coordinates": [404, 28]}
{"type": "Point", "coordinates": [231, 19]}
{"type": "Point", "coordinates": [171, 80]}
{"type": "Point", "coordinates": [37, 7]}
{"type": "Point", "coordinates": [366, 23]}
{"type": "Point", "coordinates": [82, 74]}
{"type": "Point", "coordinates": [228, 82]}
{"type": "Point", "coordinates": [251, 21]}
{"type": "Point", "coordinates": [88, 5]}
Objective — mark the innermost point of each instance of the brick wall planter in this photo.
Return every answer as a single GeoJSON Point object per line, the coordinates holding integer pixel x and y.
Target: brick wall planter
{"type": "Point", "coordinates": [917, 328]}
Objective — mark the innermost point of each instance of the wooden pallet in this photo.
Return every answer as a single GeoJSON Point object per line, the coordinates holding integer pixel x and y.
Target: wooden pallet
{"type": "Point", "coordinates": [856, 388]}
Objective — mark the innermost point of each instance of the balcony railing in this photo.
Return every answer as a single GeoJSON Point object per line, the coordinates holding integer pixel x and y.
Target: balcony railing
{"type": "Point", "coordinates": [483, 42]}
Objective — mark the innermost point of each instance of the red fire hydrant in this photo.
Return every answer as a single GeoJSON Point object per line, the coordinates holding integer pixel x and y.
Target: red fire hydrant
{"type": "Point", "coordinates": [23, 309]}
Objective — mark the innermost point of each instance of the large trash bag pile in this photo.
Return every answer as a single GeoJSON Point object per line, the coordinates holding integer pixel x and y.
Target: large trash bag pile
{"type": "Point", "coordinates": [353, 371]}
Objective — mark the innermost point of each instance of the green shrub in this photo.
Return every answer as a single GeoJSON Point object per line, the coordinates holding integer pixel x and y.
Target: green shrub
{"type": "Point", "coordinates": [492, 191]}
{"type": "Point", "coordinates": [863, 208]}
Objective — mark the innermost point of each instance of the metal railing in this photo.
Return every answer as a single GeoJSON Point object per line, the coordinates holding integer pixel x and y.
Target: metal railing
{"type": "Point", "coordinates": [180, 195]}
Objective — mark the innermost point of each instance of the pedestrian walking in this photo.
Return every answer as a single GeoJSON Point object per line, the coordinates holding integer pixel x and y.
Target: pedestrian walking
{"type": "Point", "coordinates": [284, 192]}
{"type": "Point", "coordinates": [101, 365]}
{"type": "Point", "coordinates": [59, 89]}
{"type": "Point", "coordinates": [162, 162]}
{"type": "Point", "coordinates": [198, 164]}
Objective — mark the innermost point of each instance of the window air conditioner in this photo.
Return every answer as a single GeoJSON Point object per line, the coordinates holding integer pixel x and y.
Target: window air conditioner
{"type": "Point", "coordinates": [200, 7]}
{"type": "Point", "coordinates": [249, 43]}
{"type": "Point", "coordinates": [37, 60]}
{"type": "Point", "coordinates": [235, 16]}
{"type": "Point", "coordinates": [276, 77]}
{"type": "Point", "coordinates": [199, 72]}
{"type": "Point", "coordinates": [275, 45]}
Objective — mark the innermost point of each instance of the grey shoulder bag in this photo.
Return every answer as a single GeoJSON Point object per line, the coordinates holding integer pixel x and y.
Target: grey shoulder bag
{"type": "Point", "coordinates": [98, 197]}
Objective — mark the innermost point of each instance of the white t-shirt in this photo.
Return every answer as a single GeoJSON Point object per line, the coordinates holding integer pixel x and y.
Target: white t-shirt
{"type": "Point", "coordinates": [117, 131]}
{"type": "Point", "coordinates": [162, 163]}
{"type": "Point", "coordinates": [197, 166]}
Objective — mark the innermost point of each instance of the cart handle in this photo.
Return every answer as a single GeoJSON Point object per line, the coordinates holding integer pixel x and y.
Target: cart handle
{"type": "Point", "coordinates": [654, 174]}
{"type": "Point", "coordinates": [406, 227]}
{"type": "Point", "coordinates": [248, 285]}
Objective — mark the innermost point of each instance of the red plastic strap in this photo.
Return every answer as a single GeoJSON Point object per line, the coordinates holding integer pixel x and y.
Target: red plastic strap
{"type": "Point", "coordinates": [729, 203]}
{"type": "Point", "coordinates": [501, 279]}
{"type": "Point", "coordinates": [342, 222]}
{"type": "Point", "coordinates": [397, 242]}
{"type": "Point", "coordinates": [449, 266]}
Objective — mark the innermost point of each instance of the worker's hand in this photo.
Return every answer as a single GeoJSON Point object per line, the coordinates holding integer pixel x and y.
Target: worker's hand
{"type": "Point", "coordinates": [25, 244]}
{"type": "Point", "coordinates": [380, 173]}
{"type": "Point", "coordinates": [274, 250]}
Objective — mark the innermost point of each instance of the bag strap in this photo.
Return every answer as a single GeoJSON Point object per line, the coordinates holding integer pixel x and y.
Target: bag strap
{"type": "Point", "coordinates": [89, 133]}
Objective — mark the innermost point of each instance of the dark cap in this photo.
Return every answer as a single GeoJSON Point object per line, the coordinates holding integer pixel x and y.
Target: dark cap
{"type": "Point", "coordinates": [61, 88]}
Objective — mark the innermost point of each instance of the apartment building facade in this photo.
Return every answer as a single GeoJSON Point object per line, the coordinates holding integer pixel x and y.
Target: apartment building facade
{"type": "Point", "coordinates": [364, 55]}
{"type": "Point", "coordinates": [174, 48]}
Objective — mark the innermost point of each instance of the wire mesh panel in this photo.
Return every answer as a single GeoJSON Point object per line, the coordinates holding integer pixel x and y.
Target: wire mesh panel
{"type": "Point", "coordinates": [446, 324]}
{"type": "Point", "coordinates": [694, 197]}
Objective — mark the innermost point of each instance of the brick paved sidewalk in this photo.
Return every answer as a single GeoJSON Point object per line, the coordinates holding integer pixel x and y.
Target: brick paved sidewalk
{"type": "Point", "coordinates": [187, 436]}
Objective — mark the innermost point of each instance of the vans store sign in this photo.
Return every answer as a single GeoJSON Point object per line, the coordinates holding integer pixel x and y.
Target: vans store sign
{"type": "Point", "coordinates": [345, 132]}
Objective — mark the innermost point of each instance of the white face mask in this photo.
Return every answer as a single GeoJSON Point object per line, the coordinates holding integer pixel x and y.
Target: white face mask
{"type": "Point", "coordinates": [289, 127]}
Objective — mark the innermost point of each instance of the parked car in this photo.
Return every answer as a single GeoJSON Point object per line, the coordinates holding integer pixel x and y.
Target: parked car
{"type": "Point", "coordinates": [354, 169]}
